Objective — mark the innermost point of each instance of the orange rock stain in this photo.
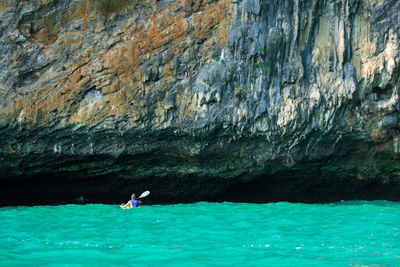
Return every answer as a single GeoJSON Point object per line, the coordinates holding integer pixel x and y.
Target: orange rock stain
{"type": "Point", "coordinates": [121, 89]}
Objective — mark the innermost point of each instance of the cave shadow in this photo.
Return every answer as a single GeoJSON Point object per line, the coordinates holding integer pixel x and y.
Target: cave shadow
{"type": "Point", "coordinates": [295, 187]}
{"type": "Point", "coordinates": [306, 186]}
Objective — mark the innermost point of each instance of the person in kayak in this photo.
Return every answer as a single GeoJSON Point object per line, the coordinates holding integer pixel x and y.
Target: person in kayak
{"type": "Point", "coordinates": [133, 203]}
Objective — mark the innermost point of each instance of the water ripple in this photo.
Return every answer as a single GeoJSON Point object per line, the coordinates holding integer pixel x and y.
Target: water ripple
{"type": "Point", "coordinates": [202, 234]}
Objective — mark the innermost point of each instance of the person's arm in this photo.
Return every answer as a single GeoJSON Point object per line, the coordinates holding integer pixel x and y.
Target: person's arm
{"type": "Point", "coordinates": [140, 202]}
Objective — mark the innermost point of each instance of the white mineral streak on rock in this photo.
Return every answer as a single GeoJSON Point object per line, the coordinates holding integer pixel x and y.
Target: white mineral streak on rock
{"type": "Point", "coordinates": [90, 106]}
{"type": "Point", "coordinates": [383, 61]}
{"type": "Point", "coordinates": [57, 149]}
{"type": "Point", "coordinates": [20, 118]}
{"type": "Point", "coordinates": [396, 145]}
{"type": "Point", "coordinates": [315, 94]}
{"type": "Point", "coordinates": [223, 54]}
{"type": "Point", "coordinates": [287, 112]}
{"type": "Point", "coordinates": [390, 104]}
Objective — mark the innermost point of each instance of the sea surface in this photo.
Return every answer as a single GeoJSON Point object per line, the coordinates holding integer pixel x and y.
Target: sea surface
{"type": "Point", "coordinates": [202, 234]}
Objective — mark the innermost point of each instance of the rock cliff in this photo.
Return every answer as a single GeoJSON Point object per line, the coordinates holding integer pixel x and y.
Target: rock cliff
{"type": "Point", "coordinates": [248, 100]}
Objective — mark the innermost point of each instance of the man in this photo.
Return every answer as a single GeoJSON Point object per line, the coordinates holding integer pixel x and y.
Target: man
{"type": "Point", "coordinates": [133, 203]}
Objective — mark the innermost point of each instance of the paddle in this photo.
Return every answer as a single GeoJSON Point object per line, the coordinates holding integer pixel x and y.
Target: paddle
{"type": "Point", "coordinates": [145, 194]}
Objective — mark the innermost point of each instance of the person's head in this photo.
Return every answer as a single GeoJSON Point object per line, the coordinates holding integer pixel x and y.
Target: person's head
{"type": "Point", "coordinates": [133, 196]}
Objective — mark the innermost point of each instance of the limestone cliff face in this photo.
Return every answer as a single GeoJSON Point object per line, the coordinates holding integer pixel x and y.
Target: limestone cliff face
{"type": "Point", "coordinates": [199, 98]}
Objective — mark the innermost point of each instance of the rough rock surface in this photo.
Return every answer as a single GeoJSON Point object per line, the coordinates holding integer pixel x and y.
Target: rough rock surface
{"type": "Point", "coordinates": [252, 100]}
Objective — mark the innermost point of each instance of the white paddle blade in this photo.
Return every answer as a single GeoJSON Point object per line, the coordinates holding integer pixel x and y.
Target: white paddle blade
{"type": "Point", "coordinates": [145, 194]}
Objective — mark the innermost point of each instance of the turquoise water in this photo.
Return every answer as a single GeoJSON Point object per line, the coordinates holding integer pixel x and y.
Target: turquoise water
{"type": "Point", "coordinates": [202, 234]}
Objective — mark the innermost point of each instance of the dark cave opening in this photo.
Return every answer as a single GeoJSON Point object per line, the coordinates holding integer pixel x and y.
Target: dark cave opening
{"type": "Point", "coordinates": [297, 188]}
{"type": "Point", "coordinates": [291, 186]}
